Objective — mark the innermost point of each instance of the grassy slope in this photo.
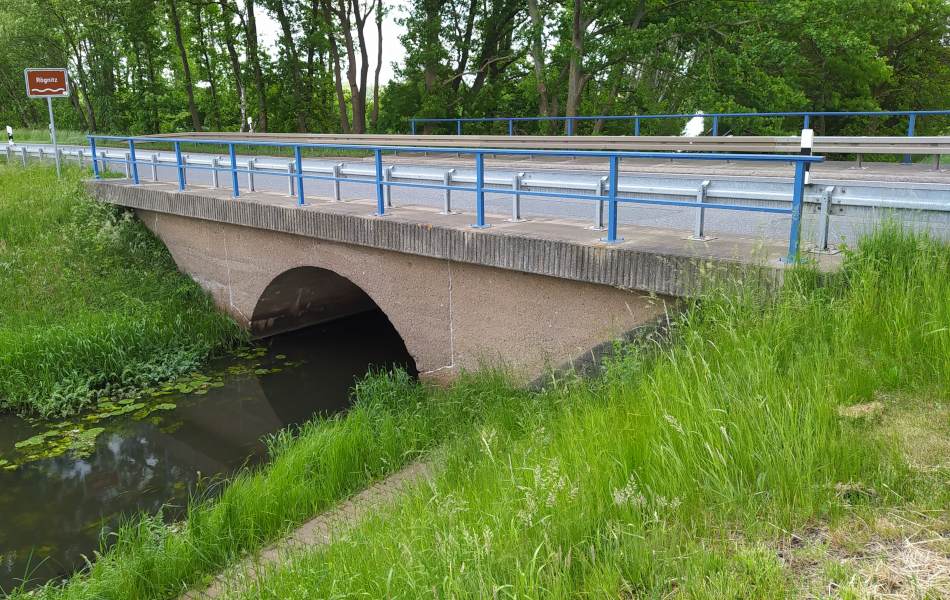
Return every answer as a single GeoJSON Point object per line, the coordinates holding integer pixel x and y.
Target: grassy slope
{"type": "Point", "coordinates": [682, 471]}
{"type": "Point", "coordinates": [679, 471]}
{"type": "Point", "coordinates": [90, 302]}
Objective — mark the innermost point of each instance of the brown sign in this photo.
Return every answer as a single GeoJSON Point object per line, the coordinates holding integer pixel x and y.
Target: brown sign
{"type": "Point", "coordinates": [47, 83]}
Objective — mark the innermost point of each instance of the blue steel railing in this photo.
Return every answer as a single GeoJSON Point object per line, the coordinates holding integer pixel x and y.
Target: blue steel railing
{"type": "Point", "coordinates": [798, 191]}
{"type": "Point", "coordinates": [912, 121]}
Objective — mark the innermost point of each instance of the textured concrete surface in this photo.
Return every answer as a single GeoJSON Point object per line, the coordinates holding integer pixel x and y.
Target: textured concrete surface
{"type": "Point", "coordinates": [317, 532]}
{"type": "Point", "coordinates": [531, 294]}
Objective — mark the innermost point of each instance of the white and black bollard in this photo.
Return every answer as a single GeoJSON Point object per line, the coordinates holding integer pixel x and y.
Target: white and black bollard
{"type": "Point", "coordinates": [808, 143]}
{"type": "Point", "coordinates": [10, 136]}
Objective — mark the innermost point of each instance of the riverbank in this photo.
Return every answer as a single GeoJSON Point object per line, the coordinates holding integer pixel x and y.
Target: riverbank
{"type": "Point", "coordinates": [91, 304]}
{"type": "Point", "coordinates": [792, 445]}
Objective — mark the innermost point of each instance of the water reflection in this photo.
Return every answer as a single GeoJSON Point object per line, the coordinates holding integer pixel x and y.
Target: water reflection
{"type": "Point", "coordinates": [52, 511]}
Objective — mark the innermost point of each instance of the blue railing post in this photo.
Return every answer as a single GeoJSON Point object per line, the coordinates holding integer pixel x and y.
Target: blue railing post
{"type": "Point", "coordinates": [715, 125]}
{"type": "Point", "coordinates": [612, 202]}
{"type": "Point", "coordinates": [460, 126]}
{"type": "Point", "coordinates": [234, 178]}
{"type": "Point", "coordinates": [636, 126]}
{"type": "Point", "coordinates": [570, 122]}
{"type": "Point", "coordinates": [181, 170]}
{"type": "Point", "coordinates": [413, 127]}
{"type": "Point", "coordinates": [135, 167]}
{"type": "Point", "coordinates": [798, 197]}
{"type": "Point", "coordinates": [511, 127]}
{"type": "Point", "coordinates": [910, 133]}
{"type": "Point", "coordinates": [95, 163]}
{"type": "Point", "coordinates": [298, 165]}
{"type": "Point", "coordinates": [380, 198]}
{"type": "Point", "coordinates": [480, 191]}
{"type": "Point", "coordinates": [806, 122]}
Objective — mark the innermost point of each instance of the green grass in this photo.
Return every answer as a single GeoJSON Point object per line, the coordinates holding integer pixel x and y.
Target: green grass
{"type": "Point", "coordinates": [91, 303]}
{"type": "Point", "coordinates": [681, 470]}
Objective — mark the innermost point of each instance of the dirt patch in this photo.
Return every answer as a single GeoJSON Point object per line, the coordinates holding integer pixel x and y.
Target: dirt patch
{"type": "Point", "coordinates": [861, 411]}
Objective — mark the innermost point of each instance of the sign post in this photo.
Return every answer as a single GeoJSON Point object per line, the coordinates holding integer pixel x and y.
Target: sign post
{"type": "Point", "coordinates": [49, 84]}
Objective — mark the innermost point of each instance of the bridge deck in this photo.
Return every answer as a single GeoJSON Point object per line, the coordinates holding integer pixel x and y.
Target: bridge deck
{"type": "Point", "coordinates": [654, 259]}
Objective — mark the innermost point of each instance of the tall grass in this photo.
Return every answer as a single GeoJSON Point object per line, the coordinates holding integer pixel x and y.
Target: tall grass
{"type": "Point", "coordinates": [91, 303]}
{"type": "Point", "coordinates": [676, 471]}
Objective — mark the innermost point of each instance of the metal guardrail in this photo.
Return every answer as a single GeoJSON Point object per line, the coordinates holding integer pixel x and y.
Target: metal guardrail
{"type": "Point", "coordinates": [826, 199]}
{"type": "Point", "coordinates": [806, 116]}
{"type": "Point", "coordinates": [383, 181]}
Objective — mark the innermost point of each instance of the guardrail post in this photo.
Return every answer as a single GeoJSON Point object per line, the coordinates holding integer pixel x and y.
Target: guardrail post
{"type": "Point", "coordinates": [516, 199]}
{"type": "Point", "coordinates": [250, 175]}
{"type": "Point", "coordinates": [181, 171]}
{"type": "Point", "coordinates": [823, 220]}
{"type": "Point", "coordinates": [80, 155]}
{"type": "Point", "coordinates": [337, 172]}
{"type": "Point", "coordinates": [480, 191]}
{"type": "Point", "coordinates": [42, 155]}
{"type": "Point", "coordinates": [298, 166]}
{"type": "Point", "coordinates": [232, 156]}
{"type": "Point", "coordinates": [290, 180]}
{"type": "Point", "coordinates": [699, 234]}
{"type": "Point", "coordinates": [215, 182]}
{"type": "Point", "coordinates": [936, 162]}
{"type": "Point", "coordinates": [184, 167]}
{"type": "Point", "coordinates": [612, 202]}
{"type": "Point", "coordinates": [601, 190]}
{"type": "Point", "coordinates": [447, 182]}
{"type": "Point", "coordinates": [128, 165]}
{"type": "Point", "coordinates": [380, 197]}
{"type": "Point", "coordinates": [388, 190]}
{"type": "Point", "coordinates": [102, 153]}
{"type": "Point", "coordinates": [26, 160]}
{"type": "Point", "coordinates": [58, 155]}
{"type": "Point", "coordinates": [135, 168]}
{"type": "Point", "coordinates": [798, 195]}
{"type": "Point", "coordinates": [154, 161]}
{"type": "Point", "coordinates": [9, 151]}
{"type": "Point", "coordinates": [910, 133]}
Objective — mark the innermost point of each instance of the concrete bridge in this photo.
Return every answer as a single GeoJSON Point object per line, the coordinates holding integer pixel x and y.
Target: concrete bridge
{"type": "Point", "coordinates": [532, 297]}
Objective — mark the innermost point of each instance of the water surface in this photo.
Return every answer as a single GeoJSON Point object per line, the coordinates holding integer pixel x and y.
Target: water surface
{"type": "Point", "coordinates": [55, 510]}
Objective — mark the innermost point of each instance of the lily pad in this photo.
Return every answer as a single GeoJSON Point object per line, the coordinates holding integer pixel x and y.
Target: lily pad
{"type": "Point", "coordinates": [201, 392]}
{"type": "Point", "coordinates": [166, 406]}
{"type": "Point", "coordinates": [280, 357]}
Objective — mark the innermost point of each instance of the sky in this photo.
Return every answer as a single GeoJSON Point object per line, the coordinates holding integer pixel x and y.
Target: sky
{"type": "Point", "coordinates": [269, 30]}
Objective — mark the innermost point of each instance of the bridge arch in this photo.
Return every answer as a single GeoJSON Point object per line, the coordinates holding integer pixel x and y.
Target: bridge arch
{"type": "Point", "coordinates": [304, 296]}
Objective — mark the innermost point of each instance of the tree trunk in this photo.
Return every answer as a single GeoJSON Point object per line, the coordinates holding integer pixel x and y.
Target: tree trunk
{"type": "Point", "coordinates": [291, 49]}
{"type": "Point", "coordinates": [379, 63]}
{"type": "Point", "coordinates": [253, 52]}
{"type": "Point", "coordinates": [176, 22]}
{"type": "Point", "coordinates": [338, 77]}
{"type": "Point", "coordinates": [537, 57]}
{"type": "Point", "coordinates": [235, 64]}
{"type": "Point", "coordinates": [207, 61]}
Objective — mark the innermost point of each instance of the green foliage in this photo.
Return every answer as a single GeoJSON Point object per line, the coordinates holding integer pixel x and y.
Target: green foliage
{"type": "Point", "coordinates": [91, 303]}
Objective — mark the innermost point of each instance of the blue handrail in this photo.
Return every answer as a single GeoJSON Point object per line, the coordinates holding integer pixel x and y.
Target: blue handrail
{"type": "Point", "coordinates": [480, 190]}
{"type": "Point", "coordinates": [912, 114]}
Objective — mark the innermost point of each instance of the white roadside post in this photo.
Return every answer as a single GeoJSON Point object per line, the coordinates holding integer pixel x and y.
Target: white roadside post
{"type": "Point", "coordinates": [10, 136]}
{"type": "Point", "coordinates": [808, 142]}
{"type": "Point", "coordinates": [49, 84]}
